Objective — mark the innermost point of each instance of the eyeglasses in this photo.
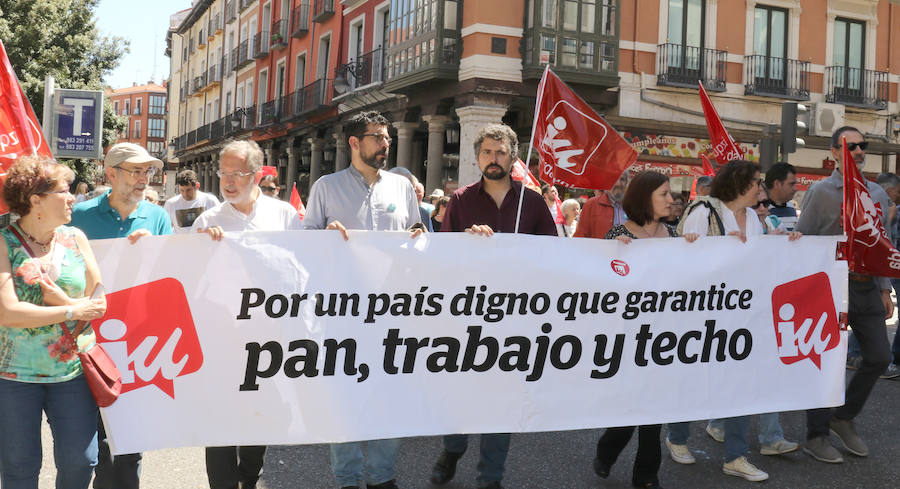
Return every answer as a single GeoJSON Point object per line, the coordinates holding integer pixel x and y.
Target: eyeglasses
{"type": "Point", "coordinates": [378, 137]}
{"type": "Point", "coordinates": [763, 203]}
{"type": "Point", "coordinates": [234, 174]}
{"type": "Point", "coordinates": [59, 192]}
{"type": "Point", "coordinates": [268, 189]}
{"type": "Point", "coordinates": [852, 146]}
{"type": "Point", "coordinates": [138, 173]}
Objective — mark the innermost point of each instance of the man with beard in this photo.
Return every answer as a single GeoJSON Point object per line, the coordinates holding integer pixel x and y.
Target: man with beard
{"type": "Point", "coordinates": [869, 305]}
{"type": "Point", "coordinates": [484, 207]}
{"type": "Point", "coordinates": [364, 197]}
{"type": "Point", "coordinates": [122, 212]}
{"type": "Point", "coordinates": [604, 211]}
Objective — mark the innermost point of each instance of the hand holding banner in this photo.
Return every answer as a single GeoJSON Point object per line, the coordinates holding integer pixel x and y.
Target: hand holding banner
{"type": "Point", "coordinates": [724, 146]}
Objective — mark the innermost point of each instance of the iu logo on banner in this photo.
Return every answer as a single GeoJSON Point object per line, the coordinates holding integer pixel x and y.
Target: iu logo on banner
{"type": "Point", "coordinates": [577, 148]}
{"type": "Point", "coordinates": [806, 324]}
{"type": "Point", "coordinates": [149, 332]}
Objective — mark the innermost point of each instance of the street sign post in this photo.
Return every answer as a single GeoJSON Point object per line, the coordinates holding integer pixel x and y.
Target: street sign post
{"type": "Point", "coordinates": [77, 124]}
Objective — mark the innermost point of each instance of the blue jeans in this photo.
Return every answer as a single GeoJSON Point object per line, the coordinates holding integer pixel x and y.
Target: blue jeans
{"type": "Point", "coordinates": [72, 415]}
{"type": "Point", "coordinates": [769, 427]}
{"type": "Point", "coordinates": [736, 433]}
{"type": "Point", "coordinates": [679, 432]}
{"type": "Point", "coordinates": [491, 461]}
{"type": "Point", "coordinates": [347, 461]}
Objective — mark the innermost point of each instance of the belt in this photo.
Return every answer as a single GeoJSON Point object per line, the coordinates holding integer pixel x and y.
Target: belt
{"type": "Point", "coordinates": [859, 277]}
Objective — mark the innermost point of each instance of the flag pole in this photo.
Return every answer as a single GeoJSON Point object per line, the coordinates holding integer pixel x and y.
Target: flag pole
{"type": "Point", "coordinates": [537, 104]}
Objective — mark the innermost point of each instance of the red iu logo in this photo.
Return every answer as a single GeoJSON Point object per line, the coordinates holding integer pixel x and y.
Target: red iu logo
{"type": "Point", "coordinates": [149, 332]}
{"type": "Point", "coordinates": [620, 267]}
{"type": "Point", "coordinates": [806, 324]}
{"type": "Point", "coordinates": [566, 125]}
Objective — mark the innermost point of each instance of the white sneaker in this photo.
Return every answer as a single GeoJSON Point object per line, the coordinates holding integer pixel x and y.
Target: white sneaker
{"type": "Point", "coordinates": [740, 467]}
{"type": "Point", "coordinates": [715, 433]}
{"type": "Point", "coordinates": [680, 453]}
{"type": "Point", "coordinates": [778, 447]}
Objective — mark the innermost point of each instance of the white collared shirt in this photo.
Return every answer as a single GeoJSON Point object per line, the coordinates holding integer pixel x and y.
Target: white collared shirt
{"type": "Point", "coordinates": [268, 214]}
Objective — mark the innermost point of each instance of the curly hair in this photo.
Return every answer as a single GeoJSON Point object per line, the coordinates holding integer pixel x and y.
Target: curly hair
{"type": "Point", "coordinates": [498, 132]}
{"type": "Point", "coordinates": [32, 175]}
{"type": "Point", "coordinates": [733, 179]}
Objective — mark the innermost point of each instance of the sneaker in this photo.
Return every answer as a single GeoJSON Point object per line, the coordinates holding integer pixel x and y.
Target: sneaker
{"type": "Point", "coordinates": [391, 484]}
{"type": "Point", "coordinates": [778, 447]}
{"type": "Point", "coordinates": [846, 433]}
{"type": "Point", "coordinates": [680, 453]}
{"type": "Point", "coordinates": [445, 467]}
{"type": "Point", "coordinates": [600, 468]}
{"type": "Point", "coordinates": [740, 467]}
{"type": "Point", "coordinates": [715, 433]}
{"type": "Point", "coordinates": [892, 372]}
{"type": "Point", "coordinates": [821, 449]}
{"type": "Point", "coordinates": [854, 361]}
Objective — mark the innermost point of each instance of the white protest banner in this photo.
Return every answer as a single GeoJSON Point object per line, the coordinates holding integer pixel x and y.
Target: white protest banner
{"type": "Point", "coordinates": [300, 337]}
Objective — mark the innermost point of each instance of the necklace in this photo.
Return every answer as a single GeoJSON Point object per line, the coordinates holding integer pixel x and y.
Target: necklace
{"type": "Point", "coordinates": [655, 231]}
{"type": "Point", "coordinates": [45, 246]}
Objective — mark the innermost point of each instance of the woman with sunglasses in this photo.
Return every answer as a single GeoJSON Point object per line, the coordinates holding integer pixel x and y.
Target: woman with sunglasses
{"type": "Point", "coordinates": [268, 185]}
{"type": "Point", "coordinates": [45, 268]}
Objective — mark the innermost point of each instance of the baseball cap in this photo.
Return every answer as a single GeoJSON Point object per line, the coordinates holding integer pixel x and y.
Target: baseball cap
{"type": "Point", "coordinates": [129, 153]}
{"type": "Point", "coordinates": [436, 194]}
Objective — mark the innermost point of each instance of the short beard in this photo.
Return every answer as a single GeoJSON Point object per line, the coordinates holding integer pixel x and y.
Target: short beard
{"type": "Point", "coordinates": [495, 176]}
{"type": "Point", "coordinates": [373, 161]}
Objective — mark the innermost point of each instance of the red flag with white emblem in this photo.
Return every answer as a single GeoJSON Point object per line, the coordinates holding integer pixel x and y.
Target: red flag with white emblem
{"type": "Point", "coordinates": [297, 202]}
{"type": "Point", "coordinates": [577, 148]}
{"type": "Point", "coordinates": [723, 145]}
{"type": "Point", "coordinates": [20, 133]}
{"type": "Point", "coordinates": [868, 249]}
{"type": "Point", "coordinates": [520, 173]}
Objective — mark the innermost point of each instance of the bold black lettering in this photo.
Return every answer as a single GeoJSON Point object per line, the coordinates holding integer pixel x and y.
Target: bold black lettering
{"type": "Point", "coordinates": [391, 342]}
{"type": "Point", "coordinates": [747, 344]}
{"type": "Point", "coordinates": [640, 355]}
{"type": "Point", "coordinates": [246, 303]}
{"type": "Point", "coordinates": [664, 342]}
{"type": "Point", "coordinates": [721, 337]}
{"type": "Point", "coordinates": [307, 359]}
{"type": "Point", "coordinates": [378, 305]}
{"type": "Point", "coordinates": [473, 344]}
{"type": "Point", "coordinates": [609, 302]}
{"type": "Point", "coordinates": [540, 303]}
{"type": "Point", "coordinates": [331, 350]}
{"type": "Point", "coordinates": [683, 357]}
{"type": "Point", "coordinates": [252, 371]}
{"type": "Point", "coordinates": [412, 348]}
{"type": "Point", "coordinates": [744, 300]}
{"type": "Point", "coordinates": [540, 356]}
{"type": "Point", "coordinates": [574, 352]}
{"type": "Point", "coordinates": [444, 361]}
{"type": "Point", "coordinates": [520, 356]}
{"type": "Point", "coordinates": [602, 360]}
{"type": "Point", "coordinates": [568, 304]}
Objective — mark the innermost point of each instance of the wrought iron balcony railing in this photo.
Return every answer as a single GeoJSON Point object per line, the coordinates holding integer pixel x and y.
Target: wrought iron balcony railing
{"type": "Point", "coordinates": [279, 37]}
{"type": "Point", "coordinates": [322, 10]}
{"type": "Point", "coordinates": [203, 133]}
{"type": "Point", "coordinates": [683, 66]}
{"type": "Point", "coordinates": [300, 20]}
{"type": "Point", "coordinates": [231, 11]}
{"type": "Point", "coordinates": [776, 77]}
{"type": "Point", "coordinates": [244, 57]}
{"type": "Point", "coordinates": [857, 87]}
{"type": "Point", "coordinates": [270, 112]}
{"type": "Point", "coordinates": [365, 70]}
{"type": "Point", "coordinates": [315, 96]}
{"type": "Point", "coordinates": [261, 44]}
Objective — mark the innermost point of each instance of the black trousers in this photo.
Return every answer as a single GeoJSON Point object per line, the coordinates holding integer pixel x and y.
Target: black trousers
{"type": "Point", "coordinates": [115, 472]}
{"type": "Point", "coordinates": [227, 466]}
{"type": "Point", "coordinates": [865, 314]}
{"type": "Point", "coordinates": [649, 453]}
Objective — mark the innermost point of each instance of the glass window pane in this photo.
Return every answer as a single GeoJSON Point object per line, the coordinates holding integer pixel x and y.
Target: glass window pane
{"type": "Point", "coordinates": [570, 15]}
{"type": "Point", "coordinates": [760, 31]}
{"type": "Point", "coordinates": [840, 43]}
{"type": "Point", "coordinates": [529, 14]}
{"type": "Point", "coordinates": [608, 18]}
{"type": "Point", "coordinates": [567, 52]}
{"type": "Point", "coordinates": [588, 16]}
{"type": "Point", "coordinates": [855, 56]}
{"type": "Point", "coordinates": [694, 22]}
{"type": "Point", "coordinates": [548, 50]}
{"type": "Point", "coordinates": [450, 15]}
{"type": "Point", "coordinates": [779, 45]}
{"type": "Point", "coordinates": [586, 56]}
{"type": "Point", "coordinates": [676, 19]}
{"type": "Point", "coordinates": [549, 17]}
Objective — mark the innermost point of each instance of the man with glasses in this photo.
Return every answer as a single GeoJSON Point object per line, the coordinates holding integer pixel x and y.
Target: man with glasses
{"type": "Point", "coordinates": [190, 202]}
{"type": "Point", "coordinates": [244, 209]}
{"type": "Point", "coordinates": [868, 306]}
{"type": "Point", "coordinates": [122, 212]}
{"type": "Point", "coordinates": [364, 197]}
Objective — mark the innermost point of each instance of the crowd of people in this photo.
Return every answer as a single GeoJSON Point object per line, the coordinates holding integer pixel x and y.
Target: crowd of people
{"type": "Point", "coordinates": [48, 271]}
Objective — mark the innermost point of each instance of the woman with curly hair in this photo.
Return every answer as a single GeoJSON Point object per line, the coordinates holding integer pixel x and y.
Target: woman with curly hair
{"type": "Point", "coordinates": [45, 268]}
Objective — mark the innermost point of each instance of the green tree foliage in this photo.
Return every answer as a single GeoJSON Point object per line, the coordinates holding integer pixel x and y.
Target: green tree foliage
{"type": "Point", "coordinates": [60, 38]}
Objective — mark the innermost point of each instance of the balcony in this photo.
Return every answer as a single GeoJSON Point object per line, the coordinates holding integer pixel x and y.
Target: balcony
{"type": "Point", "coordinates": [300, 20]}
{"type": "Point", "coordinates": [682, 66]}
{"type": "Point", "coordinates": [217, 130]}
{"type": "Point", "coordinates": [261, 44]}
{"type": "Point", "coordinates": [242, 119]}
{"type": "Point", "coordinates": [270, 112]}
{"type": "Point", "coordinates": [313, 97]}
{"type": "Point", "coordinates": [231, 11]}
{"type": "Point", "coordinates": [214, 77]}
{"type": "Point", "coordinates": [856, 87]}
{"type": "Point", "coordinates": [776, 77]}
{"type": "Point", "coordinates": [244, 4]}
{"type": "Point", "coordinates": [137, 111]}
{"type": "Point", "coordinates": [214, 26]}
{"type": "Point", "coordinates": [322, 10]}
{"type": "Point", "coordinates": [581, 49]}
{"type": "Point", "coordinates": [199, 83]}
{"type": "Point", "coordinates": [201, 40]}
{"type": "Point", "coordinates": [279, 37]}
{"type": "Point", "coordinates": [244, 57]}
{"type": "Point", "coordinates": [425, 51]}
{"type": "Point", "coordinates": [361, 72]}
{"type": "Point", "coordinates": [203, 133]}
{"type": "Point", "coordinates": [191, 139]}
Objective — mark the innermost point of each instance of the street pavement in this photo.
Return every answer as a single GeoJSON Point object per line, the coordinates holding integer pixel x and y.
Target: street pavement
{"type": "Point", "coordinates": [562, 460]}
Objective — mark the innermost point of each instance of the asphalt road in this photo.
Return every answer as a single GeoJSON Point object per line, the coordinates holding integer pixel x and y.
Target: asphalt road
{"type": "Point", "coordinates": [562, 460]}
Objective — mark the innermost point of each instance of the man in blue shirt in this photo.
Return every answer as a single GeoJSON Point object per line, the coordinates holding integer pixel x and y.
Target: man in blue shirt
{"type": "Point", "coordinates": [122, 212]}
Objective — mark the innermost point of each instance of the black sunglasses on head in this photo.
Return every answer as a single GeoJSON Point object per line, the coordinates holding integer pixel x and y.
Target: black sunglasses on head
{"type": "Point", "coordinates": [852, 146]}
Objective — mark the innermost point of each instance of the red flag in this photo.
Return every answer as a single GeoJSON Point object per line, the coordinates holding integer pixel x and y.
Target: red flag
{"type": "Point", "coordinates": [521, 174]}
{"type": "Point", "coordinates": [723, 144]}
{"type": "Point", "coordinates": [269, 170]}
{"type": "Point", "coordinates": [297, 202]}
{"type": "Point", "coordinates": [707, 166]}
{"type": "Point", "coordinates": [20, 133]}
{"type": "Point", "coordinates": [577, 148]}
{"type": "Point", "coordinates": [868, 249]}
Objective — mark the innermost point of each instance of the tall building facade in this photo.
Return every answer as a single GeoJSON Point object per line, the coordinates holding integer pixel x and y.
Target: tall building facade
{"type": "Point", "coordinates": [146, 107]}
{"type": "Point", "coordinates": [294, 70]}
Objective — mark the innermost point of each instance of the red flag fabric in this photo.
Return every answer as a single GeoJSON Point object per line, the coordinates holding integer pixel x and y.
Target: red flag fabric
{"type": "Point", "coordinates": [724, 146]}
{"type": "Point", "coordinates": [868, 249]}
{"type": "Point", "coordinates": [297, 202]}
{"type": "Point", "coordinates": [707, 166]}
{"type": "Point", "coordinates": [269, 170]}
{"type": "Point", "coordinates": [577, 148]}
{"type": "Point", "coordinates": [521, 174]}
{"type": "Point", "coordinates": [20, 133]}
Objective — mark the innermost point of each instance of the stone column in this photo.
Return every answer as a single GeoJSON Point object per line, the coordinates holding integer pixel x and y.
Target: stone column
{"type": "Point", "coordinates": [316, 146]}
{"type": "Point", "coordinates": [418, 157]}
{"type": "Point", "coordinates": [207, 175]}
{"type": "Point", "coordinates": [341, 152]}
{"type": "Point", "coordinates": [471, 119]}
{"type": "Point", "coordinates": [213, 178]}
{"type": "Point", "coordinates": [405, 132]}
{"type": "Point", "coordinates": [293, 155]}
{"type": "Point", "coordinates": [267, 150]}
{"type": "Point", "coordinates": [437, 124]}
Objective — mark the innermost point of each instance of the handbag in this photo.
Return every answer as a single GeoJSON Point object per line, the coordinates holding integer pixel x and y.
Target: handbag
{"type": "Point", "coordinates": [100, 371]}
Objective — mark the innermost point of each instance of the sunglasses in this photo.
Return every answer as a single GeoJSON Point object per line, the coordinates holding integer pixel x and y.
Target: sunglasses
{"type": "Point", "coordinates": [268, 189]}
{"type": "Point", "coordinates": [763, 203]}
{"type": "Point", "coordinates": [852, 146]}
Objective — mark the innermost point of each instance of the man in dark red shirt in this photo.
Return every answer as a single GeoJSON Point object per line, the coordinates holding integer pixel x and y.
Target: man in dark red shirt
{"type": "Point", "coordinates": [484, 207]}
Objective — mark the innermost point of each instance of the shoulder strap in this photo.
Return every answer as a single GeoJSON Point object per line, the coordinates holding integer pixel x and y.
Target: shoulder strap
{"type": "Point", "coordinates": [715, 214]}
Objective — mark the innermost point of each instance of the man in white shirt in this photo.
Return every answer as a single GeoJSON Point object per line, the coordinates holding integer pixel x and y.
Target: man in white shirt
{"type": "Point", "coordinates": [183, 209]}
{"type": "Point", "coordinates": [244, 209]}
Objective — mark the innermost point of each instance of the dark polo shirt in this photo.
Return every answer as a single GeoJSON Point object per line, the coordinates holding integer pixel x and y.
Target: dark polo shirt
{"type": "Point", "coordinates": [471, 205]}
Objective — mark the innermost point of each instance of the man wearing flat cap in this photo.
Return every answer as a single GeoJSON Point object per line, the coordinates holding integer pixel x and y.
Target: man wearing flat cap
{"type": "Point", "coordinates": [122, 212]}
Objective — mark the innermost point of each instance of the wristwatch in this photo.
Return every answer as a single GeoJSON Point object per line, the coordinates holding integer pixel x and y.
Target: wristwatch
{"type": "Point", "coordinates": [68, 314]}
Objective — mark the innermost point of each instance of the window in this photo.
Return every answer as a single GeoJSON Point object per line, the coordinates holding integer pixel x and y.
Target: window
{"type": "Point", "coordinates": [156, 147]}
{"type": "Point", "coordinates": [116, 106]}
{"type": "Point", "coordinates": [300, 72]}
{"type": "Point", "coordinates": [156, 128]}
{"type": "Point", "coordinates": [849, 42]}
{"type": "Point", "coordinates": [157, 105]}
{"type": "Point", "coordinates": [228, 103]}
{"type": "Point", "coordinates": [249, 93]}
{"type": "Point", "coordinates": [570, 34]}
{"type": "Point", "coordinates": [770, 41]}
{"type": "Point", "coordinates": [685, 34]}
{"type": "Point", "coordinates": [137, 107]}
{"type": "Point", "coordinates": [137, 129]}
{"type": "Point", "coordinates": [324, 54]}
{"type": "Point", "coordinates": [127, 108]}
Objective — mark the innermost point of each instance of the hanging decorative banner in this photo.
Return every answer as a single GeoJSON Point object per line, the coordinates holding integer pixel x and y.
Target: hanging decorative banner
{"type": "Point", "coordinates": [301, 337]}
